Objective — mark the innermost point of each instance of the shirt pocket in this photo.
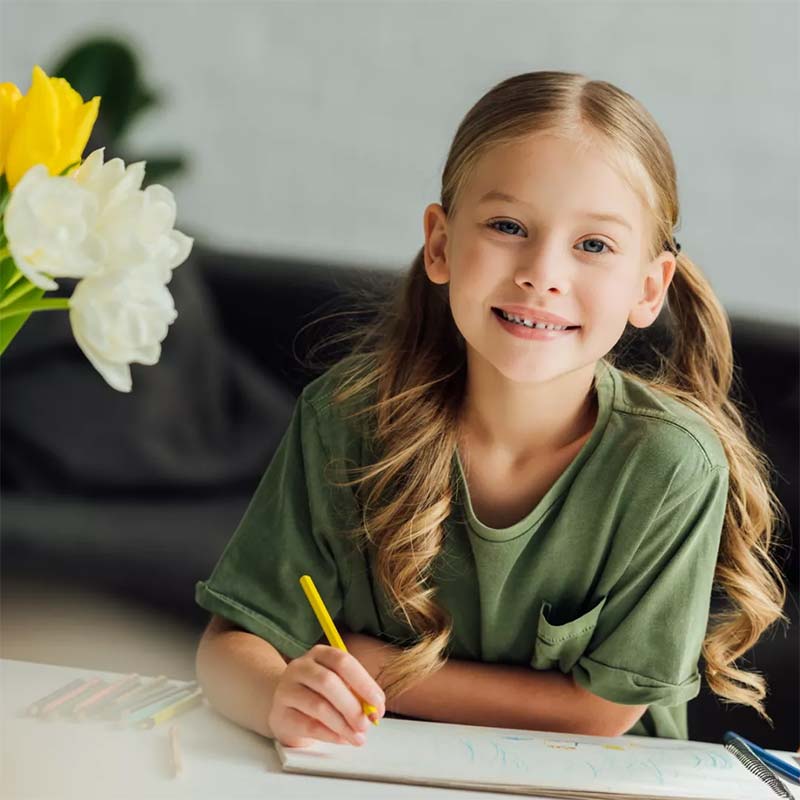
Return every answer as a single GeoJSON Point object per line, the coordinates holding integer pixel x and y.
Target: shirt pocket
{"type": "Point", "coordinates": [562, 645]}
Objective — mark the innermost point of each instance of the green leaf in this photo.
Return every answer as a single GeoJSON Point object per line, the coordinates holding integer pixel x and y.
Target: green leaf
{"type": "Point", "coordinates": [9, 275]}
{"type": "Point", "coordinates": [109, 67]}
{"type": "Point", "coordinates": [5, 193]}
{"type": "Point", "coordinates": [9, 326]}
{"type": "Point", "coordinates": [28, 306]}
{"type": "Point", "coordinates": [12, 294]}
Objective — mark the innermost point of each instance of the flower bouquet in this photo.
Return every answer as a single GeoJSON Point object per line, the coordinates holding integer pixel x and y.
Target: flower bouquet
{"type": "Point", "coordinates": [64, 217]}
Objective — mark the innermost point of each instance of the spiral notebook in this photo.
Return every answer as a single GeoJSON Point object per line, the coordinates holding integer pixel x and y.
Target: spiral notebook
{"type": "Point", "coordinates": [555, 765]}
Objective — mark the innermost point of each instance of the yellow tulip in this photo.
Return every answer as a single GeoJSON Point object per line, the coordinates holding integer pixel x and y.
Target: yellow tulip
{"type": "Point", "coordinates": [9, 111]}
{"type": "Point", "coordinates": [50, 125]}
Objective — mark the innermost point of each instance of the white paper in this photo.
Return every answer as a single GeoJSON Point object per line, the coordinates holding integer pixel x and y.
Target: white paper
{"type": "Point", "coordinates": [439, 754]}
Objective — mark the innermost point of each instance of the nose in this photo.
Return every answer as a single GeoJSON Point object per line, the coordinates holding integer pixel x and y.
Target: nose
{"type": "Point", "coordinates": [542, 269]}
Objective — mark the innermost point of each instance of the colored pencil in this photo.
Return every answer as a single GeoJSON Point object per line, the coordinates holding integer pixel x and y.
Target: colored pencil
{"type": "Point", "coordinates": [135, 697]}
{"type": "Point", "coordinates": [118, 699]}
{"type": "Point", "coordinates": [97, 705]}
{"type": "Point", "coordinates": [138, 714]}
{"type": "Point", "coordinates": [177, 761]}
{"type": "Point", "coordinates": [85, 685]}
{"type": "Point", "coordinates": [34, 709]}
{"type": "Point", "coordinates": [147, 700]}
{"type": "Point", "coordinates": [332, 634]}
{"type": "Point", "coordinates": [67, 709]}
{"type": "Point", "coordinates": [194, 699]}
{"type": "Point", "coordinates": [105, 692]}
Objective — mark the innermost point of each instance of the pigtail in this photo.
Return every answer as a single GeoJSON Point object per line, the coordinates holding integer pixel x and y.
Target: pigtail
{"type": "Point", "coordinates": [699, 372]}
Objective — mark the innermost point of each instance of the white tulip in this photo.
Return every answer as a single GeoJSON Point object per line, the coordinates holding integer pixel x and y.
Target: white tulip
{"type": "Point", "coordinates": [136, 226]}
{"type": "Point", "coordinates": [99, 225]}
{"type": "Point", "coordinates": [49, 223]}
{"type": "Point", "coordinates": [119, 316]}
{"type": "Point", "coordinates": [109, 182]}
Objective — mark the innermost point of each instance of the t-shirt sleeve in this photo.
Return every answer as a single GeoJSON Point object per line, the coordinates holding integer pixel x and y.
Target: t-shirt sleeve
{"type": "Point", "coordinates": [285, 533]}
{"type": "Point", "coordinates": [647, 643]}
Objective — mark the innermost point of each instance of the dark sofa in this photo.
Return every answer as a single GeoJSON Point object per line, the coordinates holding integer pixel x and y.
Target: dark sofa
{"type": "Point", "coordinates": [138, 493]}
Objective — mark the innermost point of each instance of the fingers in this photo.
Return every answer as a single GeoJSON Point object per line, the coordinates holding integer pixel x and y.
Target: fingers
{"type": "Point", "coordinates": [312, 730]}
{"type": "Point", "coordinates": [316, 699]}
{"type": "Point", "coordinates": [329, 683]}
{"type": "Point", "coordinates": [323, 716]}
{"type": "Point", "coordinates": [353, 673]}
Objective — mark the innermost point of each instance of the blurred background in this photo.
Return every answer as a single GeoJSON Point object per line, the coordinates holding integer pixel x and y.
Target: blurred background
{"type": "Point", "coordinates": [302, 142]}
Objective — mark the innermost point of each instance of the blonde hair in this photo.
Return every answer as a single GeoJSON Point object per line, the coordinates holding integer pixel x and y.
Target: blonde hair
{"type": "Point", "coordinates": [411, 362]}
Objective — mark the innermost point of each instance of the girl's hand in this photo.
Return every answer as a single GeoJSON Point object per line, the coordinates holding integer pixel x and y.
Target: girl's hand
{"type": "Point", "coordinates": [314, 699]}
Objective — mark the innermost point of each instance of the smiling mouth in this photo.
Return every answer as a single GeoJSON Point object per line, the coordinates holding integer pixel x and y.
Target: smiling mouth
{"type": "Point", "coordinates": [498, 313]}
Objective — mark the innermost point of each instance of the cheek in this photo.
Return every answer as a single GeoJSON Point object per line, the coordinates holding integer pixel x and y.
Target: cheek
{"type": "Point", "coordinates": [474, 261]}
{"type": "Point", "coordinates": [608, 303]}
{"type": "Point", "coordinates": [473, 282]}
{"type": "Point", "coordinates": [463, 305]}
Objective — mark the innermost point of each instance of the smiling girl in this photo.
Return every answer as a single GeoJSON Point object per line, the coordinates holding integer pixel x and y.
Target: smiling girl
{"type": "Point", "coordinates": [534, 534]}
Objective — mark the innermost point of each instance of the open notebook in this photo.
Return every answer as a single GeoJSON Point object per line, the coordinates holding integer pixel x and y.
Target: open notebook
{"type": "Point", "coordinates": [530, 762]}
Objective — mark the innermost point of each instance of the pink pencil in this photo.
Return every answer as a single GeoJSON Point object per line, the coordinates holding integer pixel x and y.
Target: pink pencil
{"type": "Point", "coordinates": [125, 681]}
{"type": "Point", "coordinates": [69, 695]}
{"type": "Point", "coordinates": [67, 709]}
{"type": "Point", "coordinates": [35, 708]}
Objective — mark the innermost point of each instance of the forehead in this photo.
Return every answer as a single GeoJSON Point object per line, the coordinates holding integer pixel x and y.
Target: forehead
{"type": "Point", "coordinates": [549, 175]}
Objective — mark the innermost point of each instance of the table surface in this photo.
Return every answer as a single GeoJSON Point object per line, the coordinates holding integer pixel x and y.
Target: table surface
{"type": "Point", "coordinates": [64, 759]}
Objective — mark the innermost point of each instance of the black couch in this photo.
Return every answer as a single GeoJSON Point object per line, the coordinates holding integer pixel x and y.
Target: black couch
{"type": "Point", "coordinates": [138, 493]}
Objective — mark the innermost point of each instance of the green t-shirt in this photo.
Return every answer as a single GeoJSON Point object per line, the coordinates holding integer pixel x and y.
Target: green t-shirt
{"type": "Point", "coordinates": [608, 578]}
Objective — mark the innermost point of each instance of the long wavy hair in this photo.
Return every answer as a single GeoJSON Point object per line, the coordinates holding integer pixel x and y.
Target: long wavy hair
{"type": "Point", "coordinates": [408, 367]}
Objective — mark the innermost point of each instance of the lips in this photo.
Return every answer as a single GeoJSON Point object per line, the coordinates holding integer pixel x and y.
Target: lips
{"type": "Point", "coordinates": [534, 316]}
{"type": "Point", "coordinates": [532, 333]}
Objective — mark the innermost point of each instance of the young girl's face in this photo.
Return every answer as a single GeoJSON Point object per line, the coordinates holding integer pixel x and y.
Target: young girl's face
{"type": "Point", "coordinates": [544, 250]}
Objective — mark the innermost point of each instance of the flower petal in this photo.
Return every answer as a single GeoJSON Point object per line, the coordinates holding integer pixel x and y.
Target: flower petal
{"type": "Point", "coordinates": [49, 224]}
{"type": "Point", "coordinates": [9, 114]}
{"type": "Point", "coordinates": [35, 136]}
{"type": "Point", "coordinates": [53, 127]}
{"type": "Point", "coordinates": [120, 316]}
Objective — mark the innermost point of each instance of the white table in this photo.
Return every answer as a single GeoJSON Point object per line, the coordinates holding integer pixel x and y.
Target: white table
{"type": "Point", "coordinates": [93, 760]}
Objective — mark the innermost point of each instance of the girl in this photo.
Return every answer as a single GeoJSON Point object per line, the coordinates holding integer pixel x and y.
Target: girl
{"type": "Point", "coordinates": [535, 534]}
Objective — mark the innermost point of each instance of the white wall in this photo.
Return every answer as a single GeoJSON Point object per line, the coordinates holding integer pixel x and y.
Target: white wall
{"type": "Point", "coordinates": [321, 129]}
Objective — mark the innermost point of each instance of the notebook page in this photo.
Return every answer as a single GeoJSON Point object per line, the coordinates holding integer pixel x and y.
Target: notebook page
{"type": "Point", "coordinates": [567, 765]}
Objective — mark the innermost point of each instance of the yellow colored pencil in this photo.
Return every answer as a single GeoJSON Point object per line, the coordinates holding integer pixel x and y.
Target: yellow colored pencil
{"type": "Point", "coordinates": [330, 632]}
{"type": "Point", "coordinates": [178, 707]}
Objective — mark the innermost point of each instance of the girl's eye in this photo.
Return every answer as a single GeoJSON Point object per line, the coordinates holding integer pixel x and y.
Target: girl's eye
{"type": "Point", "coordinates": [595, 252]}
{"type": "Point", "coordinates": [518, 227]}
{"type": "Point", "coordinates": [503, 222]}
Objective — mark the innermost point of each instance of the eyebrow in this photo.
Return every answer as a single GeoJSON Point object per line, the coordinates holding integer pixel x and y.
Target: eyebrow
{"type": "Point", "coordinates": [498, 195]}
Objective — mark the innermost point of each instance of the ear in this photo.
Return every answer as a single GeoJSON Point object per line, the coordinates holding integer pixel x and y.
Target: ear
{"type": "Point", "coordinates": [435, 251]}
{"type": "Point", "coordinates": [655, 282]}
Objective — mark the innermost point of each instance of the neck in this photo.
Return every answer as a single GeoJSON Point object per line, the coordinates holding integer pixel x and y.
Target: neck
{"type": "Point", "coordinates": [516, 422]}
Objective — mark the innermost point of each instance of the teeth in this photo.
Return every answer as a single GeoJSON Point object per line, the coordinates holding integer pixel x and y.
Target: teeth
{"type": "Point", "coordinates": [530, 324]}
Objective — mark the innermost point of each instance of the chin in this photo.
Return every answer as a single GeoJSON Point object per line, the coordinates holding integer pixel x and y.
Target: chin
{"type": "Point", "coordinates": [527, 369]}
{"type": "Point", "coordinates": [531, 374]}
